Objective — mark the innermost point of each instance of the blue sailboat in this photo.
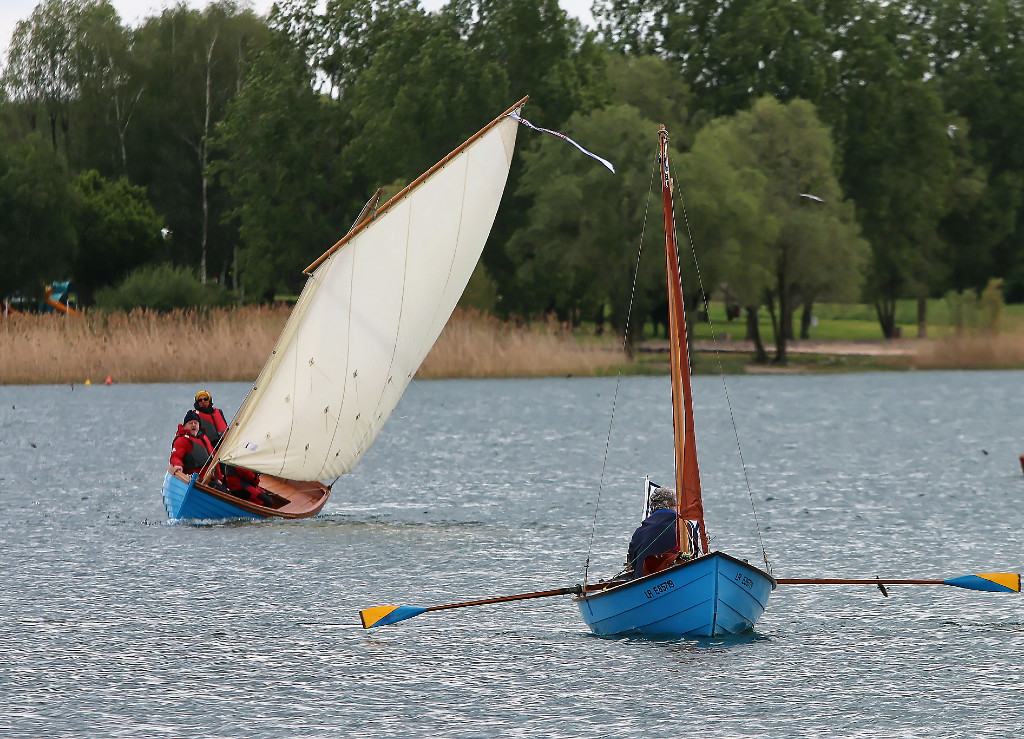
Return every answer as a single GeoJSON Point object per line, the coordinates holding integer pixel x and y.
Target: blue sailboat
{"type": "Point", "coordinates": [370, 311]}
{"type": "Point", "coordinates": [187, 499]}
{"type": "Point", "coordinates": [693, 592]}
{"type": "Point", "coordinates": [688, 590]}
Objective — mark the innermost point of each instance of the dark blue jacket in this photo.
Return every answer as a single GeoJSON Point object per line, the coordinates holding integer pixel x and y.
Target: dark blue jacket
{"type": "Point", "coordinates": [656, 534]}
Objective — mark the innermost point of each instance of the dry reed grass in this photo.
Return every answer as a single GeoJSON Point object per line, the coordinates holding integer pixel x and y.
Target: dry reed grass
{"type": "Point", "coordinates": [475, 345]}
{"type": "Point", "coordinates": [232, 344]}
{"type": "Point", "coordinates": [979, 350]}
{"type": "Point", "coordinates": [141, 346]}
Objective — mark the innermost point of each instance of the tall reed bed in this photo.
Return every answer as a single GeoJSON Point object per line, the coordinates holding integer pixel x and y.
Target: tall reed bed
{"type": "Point", "coordinates": [476, 345]}
{"type": "Point", "coordinates": [971, 351]}
{"type": "Point", "coordinates": [232, 344]}
{"type": "Point", "coordinates": [141, 346]}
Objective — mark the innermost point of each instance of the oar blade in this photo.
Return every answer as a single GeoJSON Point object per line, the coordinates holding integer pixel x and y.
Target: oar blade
{"type": "Point", "coordinates": [384, 615]}
{"type": "Point", "coordinates": [993, 582]}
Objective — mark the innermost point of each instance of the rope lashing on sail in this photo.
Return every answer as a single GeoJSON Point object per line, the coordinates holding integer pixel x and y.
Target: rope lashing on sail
{"type": "Point", "coordinates": [721, 373]}
{"type": "Point", "coordinates": [618, 379]}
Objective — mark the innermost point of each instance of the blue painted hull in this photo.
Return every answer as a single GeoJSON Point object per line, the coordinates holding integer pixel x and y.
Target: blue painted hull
{"type": "Point", "coordinates": [713, 595]}
{"type": "Point", "coordinates": [184, 500]}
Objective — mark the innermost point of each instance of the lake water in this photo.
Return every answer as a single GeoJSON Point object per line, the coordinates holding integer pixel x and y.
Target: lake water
{"type": "Point", "coordinates": [115, 623]}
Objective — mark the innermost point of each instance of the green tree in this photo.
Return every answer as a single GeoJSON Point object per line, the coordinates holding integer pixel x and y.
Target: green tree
{"type": "Point", "coordinates": [109, 90]}
{"type": "Point", "coordinates": [161, 287]}
{"type": "Point", "coordinates": [41, 72]}
{"type": "Point", "coordinates": [280, 145]}
{"type": "Point", "coordinates": [192, 63]}
{"type": "Point", "coordinates": [898, 164]}
{"type": "Point", "coordinates": [37, 239]}
{"type": "Point", "coordinates": [422, 95]}
{"type": "Point", "coordinates": [577, 254]}
{"type": "Point", "coordinates": [979, 69]}
{"type": "Point", "coordinates": [117, 231]}
{"type": "Point", "coordinates": [747, 179]}
{"type": "Point", "coordinates": [732, 52]}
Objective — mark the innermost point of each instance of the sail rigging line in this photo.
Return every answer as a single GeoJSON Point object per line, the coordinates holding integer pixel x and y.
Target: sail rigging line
{"type": "Point", "coordinates": [721, 373]}
{"type": "Point", "coordinates": [618, 379]}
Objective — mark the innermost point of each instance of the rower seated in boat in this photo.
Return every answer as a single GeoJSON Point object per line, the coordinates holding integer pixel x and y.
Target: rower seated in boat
{"type": "Point", "coordinates": [654, 545]}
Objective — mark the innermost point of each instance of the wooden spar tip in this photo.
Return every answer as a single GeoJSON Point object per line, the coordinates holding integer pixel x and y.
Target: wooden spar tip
{"type": "Point", "coordinates": [991, 582]}
{"type": "Point", "coordinates": [370, 218]}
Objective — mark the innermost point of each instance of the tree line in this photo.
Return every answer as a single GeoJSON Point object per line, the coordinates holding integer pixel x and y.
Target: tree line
{"type": "Point", "coordinates": [824, 151]}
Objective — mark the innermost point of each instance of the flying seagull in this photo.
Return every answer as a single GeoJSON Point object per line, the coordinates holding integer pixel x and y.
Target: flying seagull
{"type": "Point", "coordinates": [815, 198]}
{"type": "Point", "coordinates": [951, 130]}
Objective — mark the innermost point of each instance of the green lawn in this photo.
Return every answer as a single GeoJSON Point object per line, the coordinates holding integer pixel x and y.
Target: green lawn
{"type": "Point", "coordinates": [849, 322]}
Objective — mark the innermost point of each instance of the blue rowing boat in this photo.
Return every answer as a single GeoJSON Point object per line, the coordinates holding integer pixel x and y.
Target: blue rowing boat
{"type": "Point", "coordinates": [686, 590]}
{"type": "Point", "coordinates": [712, 595]}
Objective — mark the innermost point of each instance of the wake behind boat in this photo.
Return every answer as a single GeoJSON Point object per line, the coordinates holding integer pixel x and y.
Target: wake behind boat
{"type": "Point", "coordinates": [371, 310]}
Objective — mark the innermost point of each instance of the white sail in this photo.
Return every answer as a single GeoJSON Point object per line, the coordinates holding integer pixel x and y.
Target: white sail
{"type": "Point", "coordinates": [367, 318]}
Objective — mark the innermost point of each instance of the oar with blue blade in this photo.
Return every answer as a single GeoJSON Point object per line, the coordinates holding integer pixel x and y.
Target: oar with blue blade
{"type": "Point", "coordinates": [384, 615]}
{"type": "Point", "coordinates": [994, 582]}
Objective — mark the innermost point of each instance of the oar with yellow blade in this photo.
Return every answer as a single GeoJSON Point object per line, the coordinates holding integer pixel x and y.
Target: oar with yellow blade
{"type": "Point", "coordinates": [383, 615]}
{"type": "Point", "coordinates": [994, 582]}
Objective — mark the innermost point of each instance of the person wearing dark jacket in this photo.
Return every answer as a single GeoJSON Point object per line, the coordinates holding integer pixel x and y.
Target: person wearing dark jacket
{"type": "Point", "coordinates": [211, 419]}
{"type": "Point", "coordinates": [655, 536]}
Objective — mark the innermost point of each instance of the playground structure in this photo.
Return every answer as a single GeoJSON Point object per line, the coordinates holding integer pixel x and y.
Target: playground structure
{"type": "Point", "coordinates": [58, 297]}
{"type": "Point", "coordinates": [61, 298]}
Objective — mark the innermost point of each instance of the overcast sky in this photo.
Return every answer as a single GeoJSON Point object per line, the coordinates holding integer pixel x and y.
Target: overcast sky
{"type": "Point", "coordinates": [132, 11]}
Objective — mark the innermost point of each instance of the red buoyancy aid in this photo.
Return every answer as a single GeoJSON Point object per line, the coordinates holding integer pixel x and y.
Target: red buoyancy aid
{"type": "Point", "coordinates": [212, 422]}
{"type": "Point", "coordinates": [191, 452]}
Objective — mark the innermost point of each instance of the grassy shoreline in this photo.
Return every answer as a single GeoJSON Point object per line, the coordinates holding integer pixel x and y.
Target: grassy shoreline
{"type": "Point", "coordinates": [232, 344]}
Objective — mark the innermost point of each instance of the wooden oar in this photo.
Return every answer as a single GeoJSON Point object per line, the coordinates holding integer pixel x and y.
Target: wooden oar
{"type": "Point", "coordinates": [994, 582]}
{"type": "Point", "coordinates": [383, 615]}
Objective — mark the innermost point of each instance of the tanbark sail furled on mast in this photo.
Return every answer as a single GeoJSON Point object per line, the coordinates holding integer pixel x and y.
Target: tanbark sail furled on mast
{"type": "Point", "coordinates": [691, 505]}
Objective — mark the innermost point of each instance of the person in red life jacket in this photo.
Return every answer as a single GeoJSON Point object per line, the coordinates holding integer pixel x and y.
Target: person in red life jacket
{"type": "Point", "coordinates": [211, 420]}
{"type": "Point", "coordinates": [654, 545]}
{"type": "Point", "coordinates": [245, 484]}
{"type": "Point", "coordinates": [192, 451]}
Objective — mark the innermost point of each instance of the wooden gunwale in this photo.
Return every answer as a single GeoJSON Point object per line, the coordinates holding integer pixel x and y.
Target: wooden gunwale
{"type": "Point", "coordinates": [279, 488]}
{"type": "Point", "coordinates": [415, 183]}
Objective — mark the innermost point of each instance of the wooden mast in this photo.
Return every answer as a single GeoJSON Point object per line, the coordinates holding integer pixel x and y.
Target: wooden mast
{"type": "Point", "coordinates": [688, 491]}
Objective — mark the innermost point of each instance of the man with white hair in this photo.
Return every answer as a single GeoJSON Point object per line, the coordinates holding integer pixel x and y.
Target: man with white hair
{"type": "Point", "coordinates": [654, 543]}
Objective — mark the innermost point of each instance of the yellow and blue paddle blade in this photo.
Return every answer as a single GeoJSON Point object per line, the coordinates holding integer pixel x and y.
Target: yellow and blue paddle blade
{"type": "Point", "coordinates": [993, 582]}
{"type": "Point", "coordinates": [384, 615]}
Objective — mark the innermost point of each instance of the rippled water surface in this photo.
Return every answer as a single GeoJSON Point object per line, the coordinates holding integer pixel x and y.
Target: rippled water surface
{"type": "Point", "coordinates": [114, 622]}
